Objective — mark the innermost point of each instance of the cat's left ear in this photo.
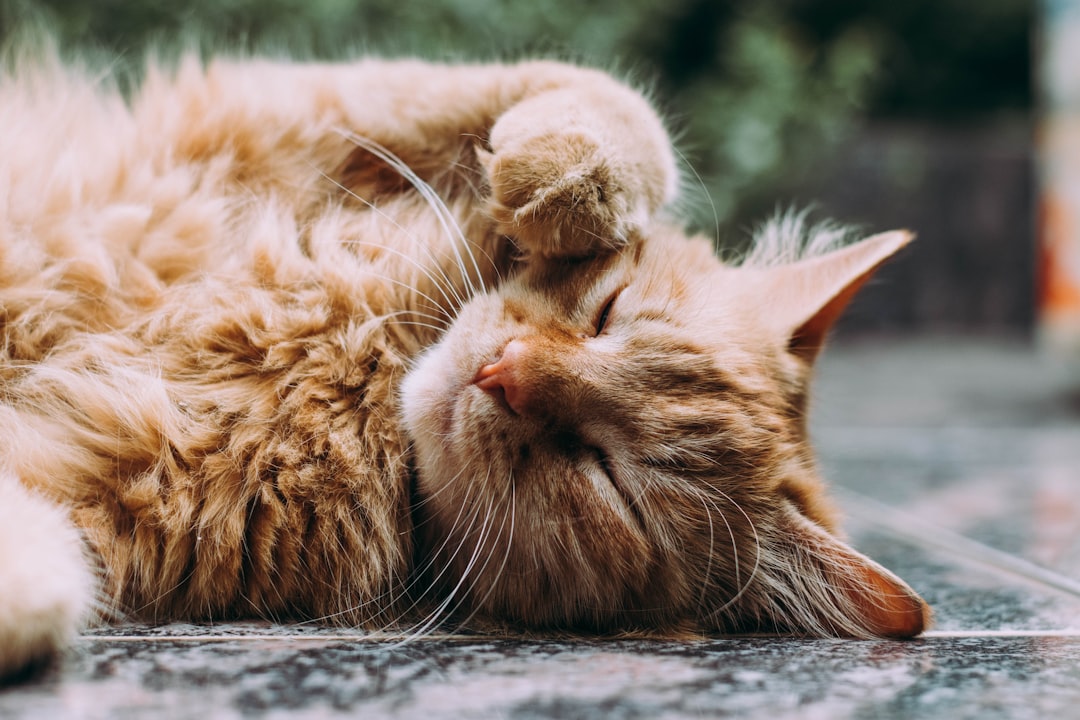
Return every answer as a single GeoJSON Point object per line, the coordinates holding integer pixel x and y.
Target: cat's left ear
{"type": "Point", "coordinates": [828, 587]}
{"type": "Point", "coordinates": [805, 298]}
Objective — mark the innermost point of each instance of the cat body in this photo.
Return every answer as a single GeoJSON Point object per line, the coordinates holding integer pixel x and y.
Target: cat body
{"type": "Point", "coordinates": [387, 342]}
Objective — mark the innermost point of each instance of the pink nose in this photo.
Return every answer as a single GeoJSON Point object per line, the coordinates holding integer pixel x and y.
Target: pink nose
{"type": "Point", "coordinates": [502, 378]}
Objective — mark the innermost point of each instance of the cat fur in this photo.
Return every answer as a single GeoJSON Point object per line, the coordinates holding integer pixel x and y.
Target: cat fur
{"type": "Point", "coordinates": [227, 304]}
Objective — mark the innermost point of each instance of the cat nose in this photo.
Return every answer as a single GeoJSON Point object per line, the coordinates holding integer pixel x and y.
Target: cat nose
{"type": "Point", "coordinates": [502, 378]}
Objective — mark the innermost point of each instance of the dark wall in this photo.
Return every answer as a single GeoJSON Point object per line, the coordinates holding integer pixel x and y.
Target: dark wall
{"type": "Point", "coordinates": [968, 192]}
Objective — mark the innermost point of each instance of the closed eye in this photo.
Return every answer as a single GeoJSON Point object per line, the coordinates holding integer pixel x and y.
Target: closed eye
{"type": "Point", "coordinates": [604, 463]}
{"type": "Point", "coordinates": [605, 311]}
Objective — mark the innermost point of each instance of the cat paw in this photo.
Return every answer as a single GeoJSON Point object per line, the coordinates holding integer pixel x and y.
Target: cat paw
{"type": "Point", "coordinates": [560, 195]}
{"type": "Point", "coordinates": [46, 587]}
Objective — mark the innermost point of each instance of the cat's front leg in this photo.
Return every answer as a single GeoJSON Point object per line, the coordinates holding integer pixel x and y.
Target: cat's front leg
{"type": "Point", "coordinates": [46, 585]}
{"type": "Point", "coordinates": [580, 167]}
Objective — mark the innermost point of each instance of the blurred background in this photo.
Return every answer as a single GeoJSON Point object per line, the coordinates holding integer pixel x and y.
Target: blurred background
{"type": "Point", "coordinates": [912, 114]}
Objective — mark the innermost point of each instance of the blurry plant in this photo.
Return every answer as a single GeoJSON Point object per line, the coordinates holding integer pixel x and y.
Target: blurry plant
{"type": "Point", "coordinates": [760, 92]}
{"type": "Point", "coordinates": [769, 104]}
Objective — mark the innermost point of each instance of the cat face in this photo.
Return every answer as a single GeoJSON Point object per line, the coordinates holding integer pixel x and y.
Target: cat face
{"type": "Point", "coordinates": [619, 442]}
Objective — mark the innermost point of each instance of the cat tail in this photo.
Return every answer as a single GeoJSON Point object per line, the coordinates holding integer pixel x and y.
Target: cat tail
{"type": "Point", "coordinates": [47, 585]}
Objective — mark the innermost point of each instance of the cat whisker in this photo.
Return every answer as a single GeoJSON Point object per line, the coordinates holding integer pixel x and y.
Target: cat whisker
{"type": "Point", "coordinates": [757, 554]}
{"type": "Point", "coordinates": [706, 502]}
{"type": "Point", "coordinates": [482, 540]}
{"type": "Point", "coordinates": [416, 313]}
{"type": "Point", "coordinates": [448, 319]}
{"type": "Point", "coordinates": [442, 285]}
{"type": "Point", "coordinates": [436, 328]}
{"type": "Point", "coordinates": [704, 188]}
{"type": "Point", "coordinates": [511, 491]}
{"type": "Point", "coordinates": [434, 558]}
{"type": "Point", "coordinates": [433, 617]}
{"type": "Point", "coordinates": [712, 539]}
{"type": "Point", "coordinates": [442, 212]}
{"type": "Point", "coordinates": [431, 497]}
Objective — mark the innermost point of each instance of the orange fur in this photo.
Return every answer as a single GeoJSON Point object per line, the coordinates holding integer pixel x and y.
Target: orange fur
{"type": "Point", "coordinates": [243, 310]}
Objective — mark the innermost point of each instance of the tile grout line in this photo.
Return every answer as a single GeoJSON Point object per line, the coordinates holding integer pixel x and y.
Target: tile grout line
{"type": "Point", "coordinates": [958, 634]}
{"type": "Point", "coordinates": [929, 635]}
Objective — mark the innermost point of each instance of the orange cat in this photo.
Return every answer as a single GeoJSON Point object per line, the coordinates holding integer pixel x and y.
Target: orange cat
{"type": "Point", "coordinates": [387, 343]}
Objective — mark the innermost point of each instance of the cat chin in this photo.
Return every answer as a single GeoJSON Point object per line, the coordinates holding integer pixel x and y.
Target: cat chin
{"type": "Point", "coordinates": [441, 381]}
{"type": "Point", "coordinates": [424, 407]}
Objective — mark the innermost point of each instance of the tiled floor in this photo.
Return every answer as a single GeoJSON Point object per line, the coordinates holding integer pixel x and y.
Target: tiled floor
{"type": "Point", "coordinates": [958, 463]}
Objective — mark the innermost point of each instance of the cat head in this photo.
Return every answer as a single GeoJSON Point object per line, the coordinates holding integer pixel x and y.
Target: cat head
{"type": "Point", "coordinates": [620, 442]}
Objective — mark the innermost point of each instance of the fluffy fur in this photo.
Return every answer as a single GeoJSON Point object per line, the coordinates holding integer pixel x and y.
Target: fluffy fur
{"type": "Point", "coordinates": [388, 343]}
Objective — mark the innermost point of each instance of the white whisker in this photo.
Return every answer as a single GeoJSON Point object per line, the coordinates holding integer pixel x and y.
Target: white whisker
{"type": "Point", "coordinates": [433, 617]}
{"type": "Point", "coordinates": [442, 285]}
{"type": "Point", "coordinates": [712, 538]}
{"type": "Point", "coordinates": [757, 554]}
{"type": "Point", "coordinates": [705, 189]}
{"type": "Point", "coordinates": [441, 211]}
{"type": "Point", "coordinates": [506, 553]}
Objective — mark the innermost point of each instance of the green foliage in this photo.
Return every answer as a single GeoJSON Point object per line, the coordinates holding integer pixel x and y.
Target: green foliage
{"type": "Point", "coordinates": [759, 91]}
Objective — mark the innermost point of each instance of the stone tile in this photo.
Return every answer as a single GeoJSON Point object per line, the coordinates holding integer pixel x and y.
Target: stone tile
{"type": "Point", "coordinates": [1016, 491]}
{"type": "Point", "coordinates": [984, 677]}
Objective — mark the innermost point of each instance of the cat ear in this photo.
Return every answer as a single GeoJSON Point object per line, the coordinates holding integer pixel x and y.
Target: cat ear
{"type": "Point", "coordinates": [830, 587]}
{"type": "Point", "coordinates": [806, 298]}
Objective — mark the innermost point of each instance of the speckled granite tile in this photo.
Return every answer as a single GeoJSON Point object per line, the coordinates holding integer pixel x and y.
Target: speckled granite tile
{"type": "Point", "coordinates": [748, 677]}
{"type": "Point", "coordinates": [1022, 662]}
{"type": "Point", "coordinates": [1017, 491]}
{"type": "Point", "coordinates": [233, 629]}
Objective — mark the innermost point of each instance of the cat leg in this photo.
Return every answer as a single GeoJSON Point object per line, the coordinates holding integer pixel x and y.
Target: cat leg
{"type": "Point", "coordinates": [46, 584]}
{"type": "Point", "coordinates": [578, 167]}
